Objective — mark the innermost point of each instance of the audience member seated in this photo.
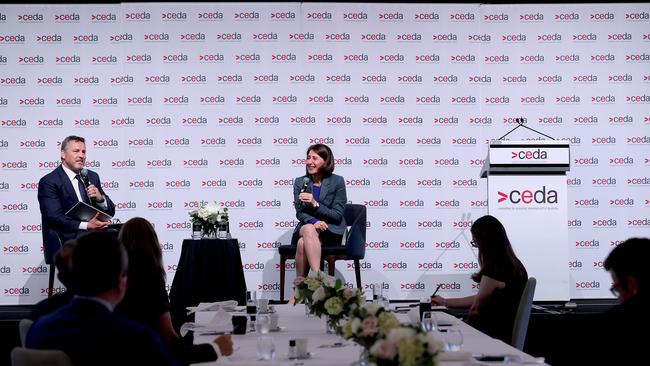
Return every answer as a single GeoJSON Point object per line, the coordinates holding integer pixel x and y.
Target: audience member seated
{"type": "Point", "coordinates": [146, 298]}
{"type": "Point", "coordinates": [618, 338]}
{"type": "Point", "coordinates": [87, 329]}
{"type": "Point", "coordinates": [502, 278]}
{"type": "Point", "coordinates": [63, 262]}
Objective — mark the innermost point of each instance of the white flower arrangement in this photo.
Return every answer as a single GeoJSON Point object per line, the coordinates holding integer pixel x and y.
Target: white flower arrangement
{"type": "Point", "coordinates": [326, 295]}
{"type": "Point", "coordinates": [367, 323]}
{"type": "Point", "coordinates": [210, 216]}
{"type": "Point", "coordinates": [406, 346]}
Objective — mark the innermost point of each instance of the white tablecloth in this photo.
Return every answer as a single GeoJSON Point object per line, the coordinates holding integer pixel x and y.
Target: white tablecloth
{"type": "Point", "coordinates": [328, 349]}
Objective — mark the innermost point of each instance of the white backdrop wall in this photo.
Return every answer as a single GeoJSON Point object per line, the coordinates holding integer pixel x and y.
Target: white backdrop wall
{"type": "Point", "coordinates": [186, 103]}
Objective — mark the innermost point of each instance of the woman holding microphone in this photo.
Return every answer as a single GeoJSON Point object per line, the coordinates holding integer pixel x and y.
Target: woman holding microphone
{"type": "Point", "coordinates": [319, 198]}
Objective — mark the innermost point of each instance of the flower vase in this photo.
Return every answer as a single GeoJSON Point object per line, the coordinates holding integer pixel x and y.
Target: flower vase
{"type": "Point", "coordinates": [209, 231]}
{"type": "Point", "coordinates": [332, 326]}
{"type": "Point", "coordinates": [223, 232]}
{"type": "Point", "coordinates": [364, 357]}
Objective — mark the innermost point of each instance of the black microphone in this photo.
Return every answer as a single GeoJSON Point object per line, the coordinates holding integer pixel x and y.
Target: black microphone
{"type": "Point", "coordinates": [305, 184]}
{"type": "Point", "coordinates": [86, 181]}
{"type": "Point", "coordinates": [305, 188]}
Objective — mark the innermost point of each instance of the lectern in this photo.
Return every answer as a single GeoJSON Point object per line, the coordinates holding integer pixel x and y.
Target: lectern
{"type": "Point", "coordinates": [527, 192]}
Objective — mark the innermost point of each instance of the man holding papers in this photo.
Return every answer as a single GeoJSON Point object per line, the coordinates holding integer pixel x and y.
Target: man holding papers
{"type": "Point", "coordinates": [63, 188]}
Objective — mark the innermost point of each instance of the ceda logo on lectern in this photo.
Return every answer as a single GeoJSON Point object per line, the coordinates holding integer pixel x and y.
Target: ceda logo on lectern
{"type": "Point", "coordinates": [542, 195]}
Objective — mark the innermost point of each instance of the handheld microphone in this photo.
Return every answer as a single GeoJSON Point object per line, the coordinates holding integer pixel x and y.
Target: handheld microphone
{"type": "Point", "coordinates": [305, 184]}
{"type": "Point", "coordinates": [86, 181]}
{"type": "Point", "coordinates": [305, 188]}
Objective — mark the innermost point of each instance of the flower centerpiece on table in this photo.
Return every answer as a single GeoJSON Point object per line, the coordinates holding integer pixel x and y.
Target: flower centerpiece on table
{"type": "Point", "coordinates": [211, 217]}
{"type": "Point", "coordinates": [367, 323]}
{"type": "Point", "coordinates": [406, 346]}
{"type": "Point", "coordinates": [325, 295]}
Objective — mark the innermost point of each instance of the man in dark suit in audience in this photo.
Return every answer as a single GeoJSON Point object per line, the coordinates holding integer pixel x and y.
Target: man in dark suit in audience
{"type": "Point", "coordinates": [61, 189]}
{"type": "Point", "coordinates": [618, 335]}
{"type": "Point", "coordinates": [87, 329]}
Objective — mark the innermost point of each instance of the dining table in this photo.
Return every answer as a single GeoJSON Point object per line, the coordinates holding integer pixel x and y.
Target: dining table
{"type": "Point", "coordinates": [324, 348]}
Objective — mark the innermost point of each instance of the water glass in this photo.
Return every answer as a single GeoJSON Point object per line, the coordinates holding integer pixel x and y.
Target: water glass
{"type": "Point", "coordinates": [429, 321]}
{"type": "Point", "coordinates": [222, 234]}
{"type": "Point", "coordinates": [265, 348]}
{"type": "Point", "coordinates": [384, 302]}
{"type": "Point", "coordinates": [425, 305]}
{"type": "Point", "coordinates": [453, 340]}
{"type": "Point", "coordinates": [377, 292]}
{"type": "Point", "coordinates": [251, 296]}
{"type": "Point", "coordinates": [263, 305]}
{"type": "Point", "coordinates": [263, 323]}
{"type": "Point", "coordinates": [196, 231]}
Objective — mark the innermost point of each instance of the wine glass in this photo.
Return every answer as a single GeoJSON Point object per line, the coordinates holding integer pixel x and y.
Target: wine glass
{"type": "Point", "coordinates": [453, 340]}
{"type": "Point", "coordinates": [429, 321]}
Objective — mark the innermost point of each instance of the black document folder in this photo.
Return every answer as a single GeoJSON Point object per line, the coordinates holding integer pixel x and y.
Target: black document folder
{"type": "Point", "coordinates": [84, 212]}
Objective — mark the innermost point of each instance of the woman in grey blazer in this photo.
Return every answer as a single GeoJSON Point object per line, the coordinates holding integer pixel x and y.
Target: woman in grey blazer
{"type": "Point", "coordinates": [319, 198]}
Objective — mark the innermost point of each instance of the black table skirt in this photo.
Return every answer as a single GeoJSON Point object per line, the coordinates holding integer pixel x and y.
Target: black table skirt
{"type": "Point", "coordinates": [208, 270]}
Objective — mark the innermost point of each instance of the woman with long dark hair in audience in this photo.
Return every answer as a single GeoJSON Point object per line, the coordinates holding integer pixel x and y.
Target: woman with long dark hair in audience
{"type": "Point", "coordinates": [502, 278]}
{"type": "Point", "coordinates": [146, 298]}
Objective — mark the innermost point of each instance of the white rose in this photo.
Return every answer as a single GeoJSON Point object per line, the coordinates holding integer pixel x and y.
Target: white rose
{"type": "Point", "coordinates": [397, 334]}
{"type": "Point", "coordinates": [318, 295]}
{"type": "Point", "coordinates": [329, 281]}
{"type": "Point", "coordinates": [433, 345]}
{"type": "Point", "coordinates": [372, 308]}
{"type": "Point", "coordinates": [384, 349]}
{"type": "Point", "coordinates": [355, 325]}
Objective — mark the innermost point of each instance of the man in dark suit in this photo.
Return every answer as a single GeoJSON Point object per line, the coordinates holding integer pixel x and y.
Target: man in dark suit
{"type": "Point", "coordinates": [618, 340]}
{"type": "Point", "coordinates": [86, 329]}
{"type": "Point", "coordinates": [61, 189]}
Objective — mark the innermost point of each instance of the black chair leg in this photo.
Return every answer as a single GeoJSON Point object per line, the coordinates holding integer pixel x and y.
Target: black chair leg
{"type": "Point", "coordinates": [283, 262]}
{"type": "Point", "coordinates": [50, 287]}
{"type": "Point", "coordinates": [357, 271]}
{"type": "Point", "coordinates": [330, 267]}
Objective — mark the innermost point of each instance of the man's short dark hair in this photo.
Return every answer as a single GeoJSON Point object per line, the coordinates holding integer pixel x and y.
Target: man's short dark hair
{"type": "Point", "coordinates": [630, 259]}
{"type": "Point", "coordinates": [64, 143]}
{"type": "Point", "coordinates": [63, 262]}
{"type": "Point", "coordinates": [98, 261]}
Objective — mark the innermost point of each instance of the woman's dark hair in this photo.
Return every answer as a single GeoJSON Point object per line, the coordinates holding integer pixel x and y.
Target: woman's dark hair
{"type": "Point", "coordinates": [324, 152]}
{"type": "Point", "coordinates": [494, 249]}
{"type": "Point", "coordinates": [145, 255]}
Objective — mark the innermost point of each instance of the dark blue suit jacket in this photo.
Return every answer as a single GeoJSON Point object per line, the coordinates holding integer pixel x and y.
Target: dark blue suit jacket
{"type": "Point", "coordinates": [91, 335]}
{"type": "Point", "coordinates": [55, 197]}
{"type": "Point", "coordinates": [332, 200]}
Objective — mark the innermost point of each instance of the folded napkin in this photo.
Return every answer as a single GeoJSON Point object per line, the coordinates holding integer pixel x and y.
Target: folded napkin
{"type": "Point", "coordinates": [227, 305]}
{"type": "Point", "coordinates": [220, 323]}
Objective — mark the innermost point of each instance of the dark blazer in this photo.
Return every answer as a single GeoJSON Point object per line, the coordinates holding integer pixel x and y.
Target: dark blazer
{"type": "Point", "coordinates": [616, 335]}
{"type": "Point", "coordinates": [91, 335]}
{"type": "Point", "coordinates": [332, 202]}
{"type": "Point", "coordinates": [55, 197]}
{"type": "Point", "coordinates": [51, 304]}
